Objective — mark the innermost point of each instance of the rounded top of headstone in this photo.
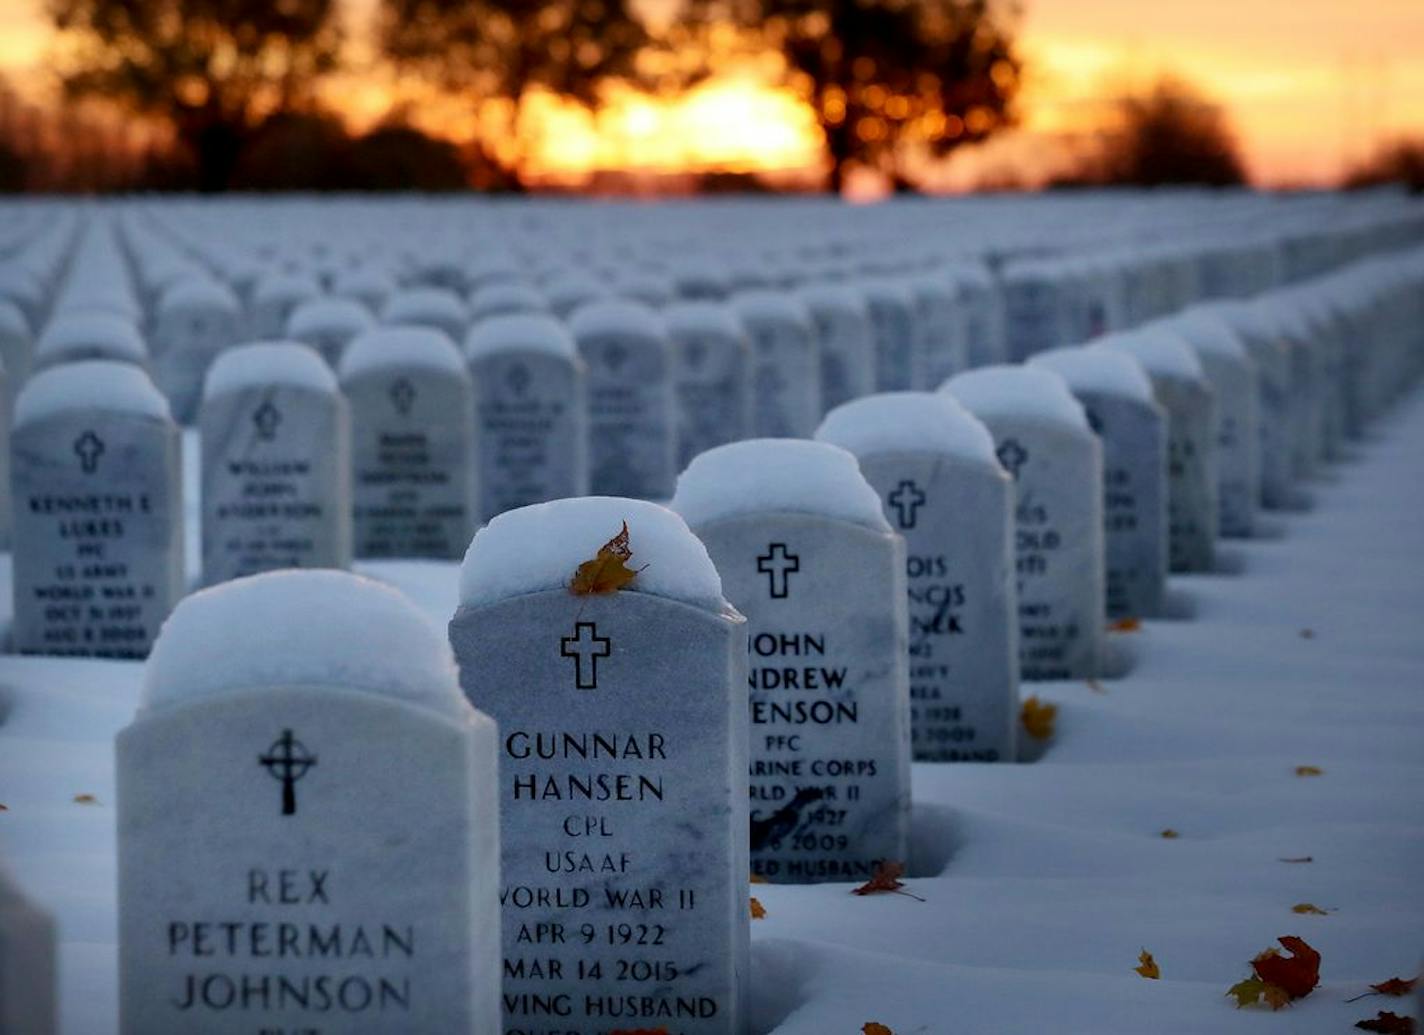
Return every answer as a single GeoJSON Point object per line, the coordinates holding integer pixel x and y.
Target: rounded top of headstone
{"type": "Point", "coordinates": [1206, 331]}
{"type": "Point", "coordinates": [503, 297]}
{"type": "Point", "coordinates": [535, 332]}
{"type": "Point", "coordinates": [302, 628]}
{"type": "Point", "coordinates": [845, 299]}
{"type": "Point", "coordinates": [1092, 368]}
{"type": "Point", "coordinates": [71, 331]}
{"type": "Point", "coordinates": [91, 384]}
{"type": "Point", "coordinates": [908, 422]}
{"type": "Point", "coordinates": [328, 313]}
{"type": "Point", "coordinates": [615, 317]}
{"type": "Point", "coordinates": [284, 286]}
{"type": "Point", "coordinates": [1008, 390]}
{"type": "Point", "coordinates": [540, 547]}
{"type": "Point", "coordinates": [421, 304]}
{"type": "Point", "coordinates": [12, 320]}
{"type": "Point", "coordinates": [1161, 352]}
{"type": "Point", "coordinates": [266, 363]}
{"type": "Point", "coordinates": [758, 306]}
{"type": "Point", "coordinates": [400, 346]}
{"type": "Point", "coordinates": [776, 474]}
{"type": "Point", "coordinates": [193, 292]}
{"type": "Point", "coordinates": [714, 319]}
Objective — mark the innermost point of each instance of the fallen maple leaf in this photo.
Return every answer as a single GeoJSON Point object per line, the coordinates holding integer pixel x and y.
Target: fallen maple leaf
{"type": "Point", "coordinates": [1307, 634]}
{"type": "Point", "coordinates": [875, 1028]}
{"type": "Point", "coordinates": [1388, 1024]}
{"type": "Point", "coordinates": [1126, 625]}
{"type": "Point", "coordinates": [85, 799]}
{"type": "Point", "coordinates": [1170, 834]}
{"type": "Point", "coordinates": [1147, 966]}
{"type": "Point", "coordinates": [1309, 909]}
{"type": "Point", "coordinates": [1309, 770]}
{"type": "Point", "coordinates": [1297, 974]}
{"type": "Point", "coordinates": [1299, 859]}
{"type": "Point", "coordinates": [1037, 717]}
{"type": "Point", "coordinates": [886, 878]}
{"type": "Point", "coordinates": [608, 572]}
{"type": "Point", "coordinates": [1394, 986]}
{"type": "Point", "coordinates": [758, 910]}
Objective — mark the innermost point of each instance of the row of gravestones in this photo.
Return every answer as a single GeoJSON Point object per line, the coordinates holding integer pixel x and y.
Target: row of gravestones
{"type": "Point", "coordinates": [268, 870]}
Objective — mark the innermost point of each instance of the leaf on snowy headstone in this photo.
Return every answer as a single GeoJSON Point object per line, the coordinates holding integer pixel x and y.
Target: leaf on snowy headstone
{"type": "Point", "coordinates": [758, 910]}
{"type": "Point", "coordinates": [886, 878]}
{"type": "Point", "coordinates": [1310, 909]}
{"type": "Point", "coordinates": [85, 799]}
{"type": "Point", "coordinates": [1147, 966]}
{"type": "Point", "coordinates": [1298, 859]}
{"type": "Point", "coordinates": [1037, 717]}
{"type": "Point", "coordinates": [875, 1028]}
{"type": "Point", "coordinates": [1126, 625]}
{"type": "Point", "coordinates": [1309, 770]}
{"type": "Point", "coordinates": [1170, 834]}
{"type": "Point", "coordinates": [1387, 1024]}
{"type": "Point", "coordinates": [608, 572]}
{"type": "Point", "coordinates": [757, 878]}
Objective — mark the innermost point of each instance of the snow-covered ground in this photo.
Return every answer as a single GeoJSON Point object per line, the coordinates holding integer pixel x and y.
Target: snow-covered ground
{"type": "Point", "coordinates": [1043, 881]}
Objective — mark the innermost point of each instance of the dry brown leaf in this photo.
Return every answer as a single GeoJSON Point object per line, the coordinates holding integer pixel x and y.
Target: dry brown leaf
{"type": "Point", "coordinates": [1309, 770]}
{"type": "Point", "coordinates": [1170, 834]}
{"type": "Point", "coordinates": [1387, 1023]}
{"type": "Point", "coordinates": [85, 799]}
{"type": "Point", "coordinates": [758, 910]}
{"type": "Point", "coordinates": [886, 878]}
{"type": "Point", "coordinates": [1037, 717]}
{"type": "Point", "coordinates": [1147, 966]}
{"type": "Point", "coordinates": [1309, 909]}
{"type": "Point", "coordinates": [1298, 859]}
{"type": "Point", "coordinates": [1307, 634]}
{"type": "Point", "coordinates": [757, 878]}
{"type": "Point", "coordinates": [1126, 625]}
{"type": "Point", "coordinates": [1395, 986]}
{"type": "Point", "coordinates": [875, 1028]}
{"type": "Point", "coordinates": [608, 571]}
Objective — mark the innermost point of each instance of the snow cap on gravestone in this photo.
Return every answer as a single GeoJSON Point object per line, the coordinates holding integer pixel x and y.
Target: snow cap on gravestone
{"type": "Point", "coordinates": [539, 548]}
{"type": "Point", "coordinates": [328, 316]}
{"type": "Point", "coordinates": [302, 628]}
{"type": "Point", "coordinates": [426, 348]}
{"type": "Point", "coordinates": [194, 290]}
{"type": "Point", "coordinates": [777, 474]}
{"type": "Point", "coordinates": [427, 307]}
{"type": "Point", "coordinates": [908, 422]}
{"type": "Point", "coordinates": [264, 363]}
{"type": "Point", "coordinates": [97, 384]}
{"type": "Point", "coordinates": [715, 322]}
{"type": "Point", "coordinates": [505, 297]}
{"type": "Point", "coordinates": [1097, 369]}
{"type": "Point", "coordinates": [537, 332]}
{"type": "Point", "coordinates": [1020, 392]}
{"type": "Point", "coordinates": [73, 336]}
{"type": "Point", "coordinates": [615, 318]}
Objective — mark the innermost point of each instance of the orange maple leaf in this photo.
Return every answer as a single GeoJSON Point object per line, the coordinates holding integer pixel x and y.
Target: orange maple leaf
{"type": "Point", "coordinates": [1147, 966]}
{"type": "Point", "coordinates": [1037, 717]}
{"type": "Point", "coordinates": [608, 572]}
{"type": "Point", "coordinates": [886, 878]}
{"type": "Point", "coordinates": [1296, 974]}
{"type": "Point", "coordinates": [1395, 986]}
{"type": "Point", "coordinates": [1387, 1024]}
{"type": "Point", "coordinates": [758, 910]}
{"type": "Point", "coordinates": [875, 1028]}
{"type": "Point", "coordinates": [1126, 625]}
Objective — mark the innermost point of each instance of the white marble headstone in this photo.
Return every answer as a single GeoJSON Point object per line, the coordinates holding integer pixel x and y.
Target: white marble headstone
{"type": "Point", "coordinates": [328, 325]}
{"type": "Point", "coordinates": [196, 319]}
{"type": "Point", "coordinates": [943, 490]}
{"type": "Point", "coordinates": [786, 364]}
{"type": "Point", "coordinates": [711, 376]}
{"type": "Point", "coordinates": [845, 339]}
{"type": "Point", "coordinates": [98, 511]}
{"type": "Point", "coordinates": [791, 526]}
{"type": "Point", "coordinates": [623, 724]}
{"type": "Point", "coordinates": [307, 824]}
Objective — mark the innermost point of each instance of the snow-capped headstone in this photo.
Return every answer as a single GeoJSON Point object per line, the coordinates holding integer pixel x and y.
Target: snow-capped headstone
{"type": "Point", "coordinates": [28, 1004]}
{"type": "Point", "coordinates": [531, 412]}
{"type": "Point", "coordinates": [276, 463]}
{"type": "Point", "coordinates": [97, 500]}
{"type": "Point", "coordinates": [942, 349]}
{"type": "Point", "coordinates": [897, 338]}
{"type": "Point", "coordinates": [1232, 375]}
{"type": "Point", "coordinates": [505, 298]}
{"type": "Point", "coordinates": [845, 340]}
{"type": "Point", "coordinates": [623, 720]}
{"type": "Point", "coordinates": [196, 320]}
{"type": "Point", "coordinates": [307, 825]}
{"type": "Point", "coordinates": [786, 367]}
{"type": "Point", "coordinates": [982, 302]}
{"type": "Point", "coordinates": [16, 345]}
{"type": "Point", "coordinates": [274, 298]}
{"type": "Point", "coordinates": [1181, 388]}
{"type": "Point", "coordinates": [943, 490]}
{"type": "Point", "coordinates": [1117, 400]}
{"type": "Point", "coordinates": [1272, 362]}
{"type": "Point", "coordinates": [1043, 440]}
{"type": "Point", "coordinates": [89, 334]}
{"type": "Point", "coordinates": [328, 325]}
{"type": "Point", "coordinates": [434, 307]}
{"type": "Point", "coordinates": [413, 444]}
{"type": "Point", "coordinates": [804, 552]}
{"type": "Point", "coordinates": [631, 431]}
{"type": "Point", "coordinates": [711, 376]}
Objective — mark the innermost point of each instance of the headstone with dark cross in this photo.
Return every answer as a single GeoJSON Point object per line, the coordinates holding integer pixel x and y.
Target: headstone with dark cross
{"type": "Point", "coordinates": [1232, 375]}
{"type": "Point", "coordinates": [531, 412]}
{"type": "Point", "coordinates": [1117, 400]}
{"type": "Point", "coordinates": [786, 363]}
{"type": "Point", "coordinates": [307, 824]}
{"type": "Point", "coordinates": [806, 554]}
{"type": "Point", "coordinates": [1182, 390]}
{"type": "Point", "coordinates": [841, 317]}
{"type": "Point", "coordinates": [711, 376]}
{"type": "Point", "coordinates": [623, 720]}
{"type": "Point", "coordinates": [28, 973]}
{"type": "Point", "coordinates": [413, 444]}
{"type": "Point", "coordinates": [632, 434]}
{"type": "Point", "coordinates": [98, 528]}
{"type": "Point", "coordinates": [942, 489]}
{"type": "Point", "coordinates": [195, 320]}
{"type": "Point", "coordinates": [276, 463]}
{"type": "Point", "coordinates": [1043, 440]}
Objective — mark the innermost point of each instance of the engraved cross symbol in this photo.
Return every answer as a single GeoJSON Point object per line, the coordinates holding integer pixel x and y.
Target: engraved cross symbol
{"type": "Point", "coordinates": [1012, 455]}
{"type": "Point", "coordinates": [615, 355]}
{"type": "Point", "coordinates": [907, 499]}
{"type": "Point", "coordinates": [266, 418]}
{"type": "Point", "coordinates": [287, 760]}
{"type": "Point", "coordinates": [88, 447]}
{"type": "Point", "coordinates": [777, 564]}
{"type": "Point", "coordinates": [403, 395]}
{"type": "Point", "coordinates": [585, 646]}
{"type": "Point", "coordinates": [518, 378]}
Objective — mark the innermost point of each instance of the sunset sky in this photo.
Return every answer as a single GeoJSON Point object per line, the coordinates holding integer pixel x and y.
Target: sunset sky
{"type": "Point", "coordinates": [1308, 84]}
